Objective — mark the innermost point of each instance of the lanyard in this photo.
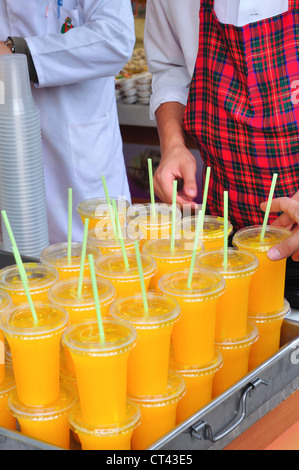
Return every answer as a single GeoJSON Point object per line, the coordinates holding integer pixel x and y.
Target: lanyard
{"type": "Point", "coordinates": [59, 4]}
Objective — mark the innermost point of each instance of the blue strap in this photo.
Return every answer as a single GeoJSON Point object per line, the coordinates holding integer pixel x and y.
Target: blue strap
{"type": "Point", "coordinates": [59, 4]}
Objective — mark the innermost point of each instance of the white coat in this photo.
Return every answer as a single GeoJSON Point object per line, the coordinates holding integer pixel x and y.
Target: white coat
{"type": "Point", "coordinates": [76, 96]}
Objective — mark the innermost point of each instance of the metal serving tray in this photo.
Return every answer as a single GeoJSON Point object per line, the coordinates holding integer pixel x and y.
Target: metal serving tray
{"type": "Point", "coordinates": [223, 419]}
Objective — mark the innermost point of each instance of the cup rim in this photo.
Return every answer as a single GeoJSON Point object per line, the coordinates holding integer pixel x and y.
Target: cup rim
{"type": "Point", "coordinates": [264, 246]}
{"type": "Point", "coordinates": [46, 256]}
{"type": "Point", "coordinates": [88, 207]}
{"type": "Point", "coordinates": [251, 337]}
{"type": "Point", "coordinates": [147, 322]}
{"type": "Point", "coordinates": [147, 271]}
{"type": "Point", "coordinates": [244, 270]}
{"type": "Point", "coordinates": [195, 370]}
{"type": "Point", "coordinates": [150, 249]}
{"type": "Point", "coordinates": [98, 348]}
{"type": "Point", "coordinates": [264, 317]}
{"type": "Point", "coordinates": [32, 266]}
{"type": "Point", "coordinates": [131, 420]}
{"type": "Point", "coordinates": [217, 232]}
{"type": "Point", "coordinates": [175, 390]}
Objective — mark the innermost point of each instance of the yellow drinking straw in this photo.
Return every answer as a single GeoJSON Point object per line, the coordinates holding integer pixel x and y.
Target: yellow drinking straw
{"type": "Point", "coordinates": [112, 218]}
{"type": "Point", "coordinates": [69, 236]}
{"type": "Point", "coordinates": [120, 237]}
{"type": "Point", "coordinates": [20, 266]}
{"type": "Point", "coordinates": [173, 214]}
{"type": "Point", "coordinates": [141, 277]}
{"type": "Point", "coordinates": [96, 298]}
{"type": "Point", "coordinates": [266, 217]}
{"type": "Point", "coordinates": [225, 248]}
{"type": "Point", "coordinates": [205, 194]}
{"type": "Point", "coordinates": [195, 245]}
{"type": "Point", "coordinates": [83, 255]}
{"type": "Point", "coordinates": [151, 183]}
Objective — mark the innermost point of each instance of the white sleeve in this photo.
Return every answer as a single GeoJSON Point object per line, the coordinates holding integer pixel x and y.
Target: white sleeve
{"type": "Point", "coordinates": [165, 57]}
{"type": "Point", "coordinates": [99, 48]}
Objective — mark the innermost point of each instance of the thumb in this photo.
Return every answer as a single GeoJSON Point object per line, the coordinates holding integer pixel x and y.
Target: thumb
{"type": "Point", "coordinates": [285, 249]}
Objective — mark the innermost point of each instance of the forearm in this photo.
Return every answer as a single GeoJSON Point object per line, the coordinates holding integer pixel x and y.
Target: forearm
{"type": "Point", "coordinates": [169, 118]}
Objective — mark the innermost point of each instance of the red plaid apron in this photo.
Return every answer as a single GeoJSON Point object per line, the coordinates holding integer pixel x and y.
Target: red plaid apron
{"type": "Point", "coordinates": [243, 110]}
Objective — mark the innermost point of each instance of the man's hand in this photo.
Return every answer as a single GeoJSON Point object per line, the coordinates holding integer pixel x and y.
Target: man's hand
{"type": "Point", "coordinates": [289, 219]}
{"type": "Point", "coordinates": [4, 50]}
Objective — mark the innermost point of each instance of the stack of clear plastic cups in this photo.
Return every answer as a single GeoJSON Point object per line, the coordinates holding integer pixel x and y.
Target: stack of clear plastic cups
{"type": "Point", "coordinates": [22, 185]}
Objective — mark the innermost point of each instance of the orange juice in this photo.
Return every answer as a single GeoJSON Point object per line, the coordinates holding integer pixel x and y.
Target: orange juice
{"type": "Point", "coordinates": [193, 334]}
{"type": "Point", "coordinates": [35, 350]}
{"type": "Point", "coordinates": [112, 267]}
{"type": "Point", "coordinates": [97, 211]}
{"type": "Point", "coordinates": [5, 303]}
{"type": "Point", "coordinates": [149, 225]}
{"type": "Point", "coordinates": [232, 309]}
{"type": "Point", "coordinates": [115, 436]}
{"type": "Point", "coordinates": [106, 242]}
{"type": "Point", "coordinates": [266, 292]}
{"type": "Point", "coordinates": [65, 294]}
{"type": "Point", "coordinates": [148, 361]}
{"type": "Point", "coordinates": [269, 328]}
{"type": "Point", "coordinates": [235, 353]}
{"type": "Point", "coordinates": [168, 261]}
{"type": "Point", "coordinates": [199, 385]}
{"type": "Point", "coordinates": [101, 368]}
{"type": "Point", "coordinates": [40, 279]}
{"type": "Point", "coordinates": [7, 420]}
{"type": "Point", "coordinates": [56, 255]}
{"type": "Point", "coordinates": [158, 413]}
{"type": "Point", "coordinates": [213, 230]}
{"type": "Point", "coordinates": [46, 423]}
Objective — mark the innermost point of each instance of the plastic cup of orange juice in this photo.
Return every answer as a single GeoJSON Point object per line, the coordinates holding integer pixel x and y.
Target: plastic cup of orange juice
{"type": "Point", "coordinates": [101, 368]}
{"type": "Point", "coordinates": [35, 350]}
{"type": "Point", "coordinates": [5, 303]}
{"type": "Point", "coordinates": [158, 412]}
{"type": "Point", "coordinates": [56, 255]}
{"type": "Point", "coordinates": [116, 436]}
{"type": "Point", "coordinates": [193, 335]}
{"type": "Point", "coordinates": [213, 230]}
{"type": "Point", "coordinates": [65, 294]}
{"type": "Point", "coordinates": [7, 420]}
{"type": "Point", "coordinates": [97, 211]}
{"type": "Point", "coordinates": [112, 267]}
{"type": "Point", "coordinates": [168, 260]}
{"type": "Point", "coordinates": [199, 385]}
{"type": "Point", "coordinates": [269, 328]}
{"type": "Point", "coordinates": [149, 360]}
{"type": "Point", "coordinates": [232, 309]}
{"type": "Point", "coordinates": [47, 423]}
{"type": "Point", "coordinates": [40, 279]}
{"type": "Point", "coordinates": [106, 242]}
{"type": "Point", "coordinates": [235, 353]}
{"type": "Point", "coordinates": [145, 224]}
{"type": "Point", "coordinates": [267, 287]}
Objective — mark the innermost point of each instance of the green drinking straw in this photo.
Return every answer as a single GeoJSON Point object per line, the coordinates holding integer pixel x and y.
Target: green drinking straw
{"type": "Point", "coordinates": [69, 236]}
{"type": "Point", "coordinates": [205, 194]}
{"type": "Point", "coordinates": [151, 183]}
{"type": "Point", "coordinates": [120, 237]}
{"type": "Point", "coordinates": [112, 218]}
{"type": "Point", "coordinates": [195, 245]}
{"type": "Point", "coordinates": [96, 298]}
{"type": "Point", "coordinates": [83, 256]}
{"type": "Point", "coordinates": [266, 217]}
{"type": "Point", "coordinates": [141, 277]}
{"type": "Point", "coordinates": [20, 265]}
{"type": "Point", "coordinates": [225, 248]}
{"type": "Point", "coordinates": [173, 214]}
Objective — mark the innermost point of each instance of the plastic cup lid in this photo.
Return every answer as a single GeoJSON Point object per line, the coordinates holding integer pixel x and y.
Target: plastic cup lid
{"type": "Point", "coordinates": [57, 254]}
{"type": "Point", "coordinates": [64, 292]}
{"type": "Point", "coordinates": [84, 337]}
{"type": "Point", "coordinates": [98, 207]}
{"type": "Point", "coordinates": [130, 421]}
{"type": "Point", "coordinates": [240, 262]}
{"type": "Point", "coordinates": [213, 226]}
{"type": "Point", "coordinates": [112, 266]}
{"type": "Point", "coordinates": [205, 284]}
{"type": "Point", "coordinates": [251, 337]}
{"type": "Point", "coordinates": [196, 370]}
{"type": "Point", "coordinates": [175, 390]}
{"type": "Point", "coordinates": [249, 237]}
{"type": "Point", "coordinates": [137, 212]}
{"type": "Point", "coordinates": [162, 310]}
{"type": "Point", "coordinates": [39, 277]}
{"type": "Point", "coordinates": [161, 248]}
{"type": "Point", "coordinates": [281, 313]}
{"type": "Point", "coordinates": [5, 301]}
{"type": "Point", "coordinates": [67, 399]}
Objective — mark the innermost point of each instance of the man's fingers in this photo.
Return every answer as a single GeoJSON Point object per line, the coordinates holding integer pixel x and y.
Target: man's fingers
{"type": "Point", "coordinates": [285, 249]}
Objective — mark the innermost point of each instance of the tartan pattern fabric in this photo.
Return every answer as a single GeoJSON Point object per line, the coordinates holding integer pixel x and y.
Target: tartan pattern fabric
{"type": "Point", "coordinates": [243, 111]}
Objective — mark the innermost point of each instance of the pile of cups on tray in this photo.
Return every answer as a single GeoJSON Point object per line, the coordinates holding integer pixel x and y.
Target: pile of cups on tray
{"type": "Point", "coordinates": [136, 89]}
